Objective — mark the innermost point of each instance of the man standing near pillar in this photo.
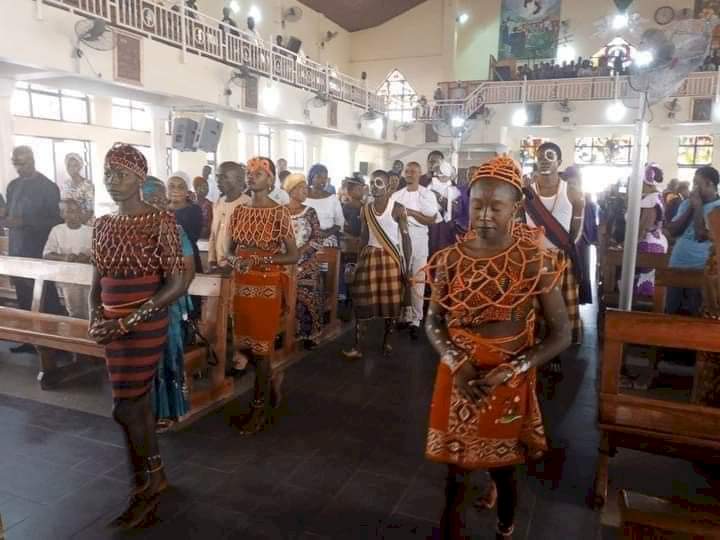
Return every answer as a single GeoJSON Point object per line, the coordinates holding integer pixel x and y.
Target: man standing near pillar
{"type": "Point", "coordinates": [558, 206]}
{"type": "Point", "coordinates": [434, 159]}
{"type": "Point", "coordinates": [33, 209]}
{"type": "Point", "coordinates": [422, 211]}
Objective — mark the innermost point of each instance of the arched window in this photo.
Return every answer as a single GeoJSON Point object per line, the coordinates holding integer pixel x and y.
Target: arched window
{"type": "Point", "coordinates": [400, 96]}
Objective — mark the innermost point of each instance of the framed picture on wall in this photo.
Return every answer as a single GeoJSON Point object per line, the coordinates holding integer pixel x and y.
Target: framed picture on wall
{"type": "Point", "coordinates": [251, 93]}
{"type": "Point", "coordinates": [430, 135]}
{"type": "Point", "coordinates": [333, 114]}
{"type": "Point", "coordinates": [127, 58]}
{"type": "Point", "coordinates": [702, 110]}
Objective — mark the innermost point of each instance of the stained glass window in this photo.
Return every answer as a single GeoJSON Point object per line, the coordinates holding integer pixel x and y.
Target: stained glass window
{"type": "Point", "coordinates": [400, 96]}
{"type": "Point", "coordinates": [695, 151]}
{"type": "Point", "coordinates": [615, 151]}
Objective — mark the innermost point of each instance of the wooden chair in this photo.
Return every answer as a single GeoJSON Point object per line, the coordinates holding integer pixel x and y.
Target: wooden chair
{"type": "Point", "coordinates": [643, 517]}
{"type": "Point", "coordinates": [52, 333]}
{"type": "Point", "coordinates": [651, 425]}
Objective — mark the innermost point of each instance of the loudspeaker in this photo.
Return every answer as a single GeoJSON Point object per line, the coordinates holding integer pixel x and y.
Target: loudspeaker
{"type": "Point", "coordinates": [208, 136]}
{"type": "Point", "coordinates": [293, 44]}
{"type": "Point", "coordinates": [183, 134]}
{"type": "Point", "coordinates": [364, 167]}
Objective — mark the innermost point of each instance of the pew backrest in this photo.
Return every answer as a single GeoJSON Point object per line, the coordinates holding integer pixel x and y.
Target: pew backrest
{"type": "Point", "coordinates": [679, 421]}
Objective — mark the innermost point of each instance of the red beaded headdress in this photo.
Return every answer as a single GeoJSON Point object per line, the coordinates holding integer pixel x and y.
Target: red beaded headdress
{"type": "Point", "coordinates": [127, 157]}
{"type": "Point", "coordinates": [501, 168]}
{"type": "Point", "coordinates": [260, 164]}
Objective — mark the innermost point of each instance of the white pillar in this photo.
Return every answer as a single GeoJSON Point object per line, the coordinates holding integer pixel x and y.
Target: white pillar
{"type": "Point", "coordinates": [7, 134]}
{"type": "Point", "coordinates": [159, 141]}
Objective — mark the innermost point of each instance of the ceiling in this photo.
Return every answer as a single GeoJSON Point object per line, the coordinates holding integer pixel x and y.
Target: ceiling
{"type": "Point", "coordinates": [355, 15]}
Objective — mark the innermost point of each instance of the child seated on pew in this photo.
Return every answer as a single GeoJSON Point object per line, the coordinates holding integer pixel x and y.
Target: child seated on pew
{"type": "Point", "coordinates": [71, 242]}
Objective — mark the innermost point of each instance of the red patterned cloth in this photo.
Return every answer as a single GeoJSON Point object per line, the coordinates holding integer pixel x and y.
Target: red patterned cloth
{"type": "Point", "coordinates": [124, 156]}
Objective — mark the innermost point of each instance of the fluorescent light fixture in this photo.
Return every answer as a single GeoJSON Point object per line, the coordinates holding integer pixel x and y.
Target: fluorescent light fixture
{"type": "Point", "coordinates": [377, 126]}
{"type": "Point", "coordinates": [254, 12]}
{"type": "Point", "coordinates": [644, 58]}
{"type": "Point", "coordinates": [520, 117]}
{"type": "Point", "coordinates": [271, 98]}
{"type": "Point", "coordinates": [234, 6]}
{"type": "Point", "coordinates": [457, 122]}
{"type": "Point", "coordinates": [463, 18]}
{"type": "Point", "coordinates": [620, 21]}
{"type": "Point", "coordinates": [616, 112]}
{"type": "Point", "coordinates": [566, 53]}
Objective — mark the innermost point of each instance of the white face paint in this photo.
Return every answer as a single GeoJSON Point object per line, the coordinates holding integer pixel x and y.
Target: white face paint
{"type": "Point", "coordinates": [548, 161]}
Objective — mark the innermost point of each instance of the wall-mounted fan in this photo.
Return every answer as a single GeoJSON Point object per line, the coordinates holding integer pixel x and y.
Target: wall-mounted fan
{"type": "Point", "coordinates": [94, 33]}
{"type": "Point", "coordinates": [673, 107]}
{"type": "Point", "coordinates": [291, 14]}
{"type": "Point", "coordinates": [666, 57]}
{"type": "Point", "coordinates": [237, 79]}
{"type": "Point", "coordinates": [327, 38]}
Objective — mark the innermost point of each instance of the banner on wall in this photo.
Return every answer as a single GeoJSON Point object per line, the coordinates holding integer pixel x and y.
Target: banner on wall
{"type": "Point", "coordinates": [529, 29]}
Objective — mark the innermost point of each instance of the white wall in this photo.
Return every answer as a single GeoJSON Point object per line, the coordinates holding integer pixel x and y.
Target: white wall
{"type": "Point", "coordinates": [418, 43]}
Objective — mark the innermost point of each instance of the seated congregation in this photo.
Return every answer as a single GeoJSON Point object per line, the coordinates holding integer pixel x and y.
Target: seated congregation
{"type": "Point", "coordinates": [496, 265]}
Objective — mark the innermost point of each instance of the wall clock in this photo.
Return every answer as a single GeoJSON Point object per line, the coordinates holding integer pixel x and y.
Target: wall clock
{"type": "Point", "coordinates": [664, 15]}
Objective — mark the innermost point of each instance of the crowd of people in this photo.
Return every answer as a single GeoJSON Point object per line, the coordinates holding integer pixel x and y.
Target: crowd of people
{"type": "Point", "coordinates": [504, 258]}
{"type": "Point", "coordinates": [582, 67]}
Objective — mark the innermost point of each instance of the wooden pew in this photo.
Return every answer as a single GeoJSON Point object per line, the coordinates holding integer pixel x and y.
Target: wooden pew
{"type": "Point", "coordinates": [52, 333]}
{"type": "Point", "coordinates": [628, 421]}
{"type": "Point", "coordinates": [331, 256]}
{"type": "Point", "coordinates": [644, 517]}
{"type": "Point", "coordinates": [674, 277]}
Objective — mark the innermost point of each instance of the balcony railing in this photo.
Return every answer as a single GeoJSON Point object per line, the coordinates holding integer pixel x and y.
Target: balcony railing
{"type": "Point", "coordinates": [194, 32]}
{"type": "Point", "coordinates": [702, 84]}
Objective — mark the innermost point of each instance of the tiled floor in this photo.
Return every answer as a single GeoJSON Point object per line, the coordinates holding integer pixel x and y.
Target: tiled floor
{"type": "Point", "coordinates": [345, 462]}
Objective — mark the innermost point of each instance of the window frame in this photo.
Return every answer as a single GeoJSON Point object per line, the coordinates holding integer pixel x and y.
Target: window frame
{"type": "Point", "coordinates": [54, 141]}
{"type": "Point", "coordinates": [694, 164]}
{"type": "Point", "coordinates": [132, 106]}
{"type": "Point", "coordinates": [407, 99]}
{"type": "Point", "coordinates": [264, 133]}
{"type": "Point", "coordinates": [295, 142]}
{"type": "Point", "coordinates": [60, 94]}
{"type": "Point", "coordinates": [596, 145]}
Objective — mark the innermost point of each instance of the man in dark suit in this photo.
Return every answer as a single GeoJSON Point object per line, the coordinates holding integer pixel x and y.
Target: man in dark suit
{"type": "Point", "coordinates": [33, 208]}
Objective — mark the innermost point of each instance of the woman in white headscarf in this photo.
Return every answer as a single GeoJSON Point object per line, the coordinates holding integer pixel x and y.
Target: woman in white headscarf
{"type": "Point", "coordinates": [77, 187]}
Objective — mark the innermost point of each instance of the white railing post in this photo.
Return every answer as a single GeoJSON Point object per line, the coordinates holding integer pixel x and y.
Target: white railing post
{"type": "Point", "coordinates": [39, 9]}
{"type": "Point", "coordinates": [183, 31]}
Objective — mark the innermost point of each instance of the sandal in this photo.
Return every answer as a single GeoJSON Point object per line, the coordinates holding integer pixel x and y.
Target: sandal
{"type": "Point", "coordinates": [143, 502]}
{"type": "Point", "coordinates": [504, 534]}
{"type": "Point", "coordinates": [257, 420]}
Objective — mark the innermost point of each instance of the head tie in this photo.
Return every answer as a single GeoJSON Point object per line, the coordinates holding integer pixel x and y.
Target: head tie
{"type": "Point", "coordinates": [293, 181]}
{"type": "Point", "coordinates": [259, 164]}
{"type": "Point", "coordinates": [501, 168]}
{"type": "Point", "coordinates": [124, 156]}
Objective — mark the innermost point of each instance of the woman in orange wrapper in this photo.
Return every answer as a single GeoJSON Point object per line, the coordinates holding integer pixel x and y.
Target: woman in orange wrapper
{"type": "Point", "coordinates": [262, 242]}
{"type": "Point", "coordinates": [484, 412]}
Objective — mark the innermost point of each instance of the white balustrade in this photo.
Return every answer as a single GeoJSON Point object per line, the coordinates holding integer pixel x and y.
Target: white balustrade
{"type": "Point", "coordinates": [93, 8]}
{"type": "Point", "coordinates": [702, 84]}
{"type": "Point", "coordinates": [195, 32]}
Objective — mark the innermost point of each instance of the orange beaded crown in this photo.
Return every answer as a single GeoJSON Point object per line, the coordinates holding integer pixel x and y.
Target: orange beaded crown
{"type": "Point", "coordinates": [500, 168]}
